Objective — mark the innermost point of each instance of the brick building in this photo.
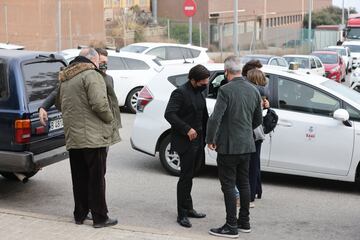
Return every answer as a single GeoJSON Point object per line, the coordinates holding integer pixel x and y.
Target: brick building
{"type": "Point", "coordinates": [34, 24]}
{"type": "Point", "coordinates": [281, 17]}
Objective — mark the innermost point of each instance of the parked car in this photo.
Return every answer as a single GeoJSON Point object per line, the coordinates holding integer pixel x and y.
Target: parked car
{"type": "Point", "coordinates": [335, 68]}
{"type": "Point", "coordinates": [307, 63]}
{"type": "Point", "coordinates": [266, 60]}
{"type": "Point", "coordinates": [11, 46]}
{"type": "Point", "coordinates": [354, 47]}
{"type": "Point", "coordinates": [169, 53]}
{"type": "Point", "coordinates": [26, 79]}
{"type": "Point", "coordinates": [312, 110]}
{"type": "Point", "coordinates": [130, 72]}
{"type": "Point", "coordinates": [344, 53]}
{"type": "Point", "coordinates": [355, 79]}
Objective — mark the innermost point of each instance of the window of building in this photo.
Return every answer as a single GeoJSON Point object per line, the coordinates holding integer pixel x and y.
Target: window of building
{"type": "Point", "coordinates": [250, 26]}
{"type": "Point", "coordinates": [241, 27]}
{"type": "Point", "coordinates": [143, 3]}
{"type": "Point", "coordinates": [228, 29]}
{"type": "Point", "coordinates": [130, 3]}
{"type": "Point", "coordinates": [267, 22]}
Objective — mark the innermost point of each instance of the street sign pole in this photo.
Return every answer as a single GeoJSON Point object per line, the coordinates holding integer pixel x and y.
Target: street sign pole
{"type": "Point", "coordinates": [190, 30]}
{"type": "Point", "coordinates": [189, 9]}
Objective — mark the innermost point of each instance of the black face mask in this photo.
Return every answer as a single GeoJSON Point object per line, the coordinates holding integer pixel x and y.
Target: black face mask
{"type": "Point", "coordinates": [103, 66]}
{"type": "Point", "coordinates": [201, 87]}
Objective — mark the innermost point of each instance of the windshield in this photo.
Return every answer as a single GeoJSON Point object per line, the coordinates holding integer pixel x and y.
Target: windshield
{"type": "Point", "coordinates": [134, 49]}
{"type": "Point", "coordinates": [263, 60]}
{"type": "Point", "coordinates": [353, 33]}
{"type": "Point", "coordinates": [303, 62]}
{"type": "Point", "coordinates": [353, 48]}
{"type": "Point", "coordinates": [327, 58]}
{"type": "Point", "coordinates": [340, 51]}
{"type": "Point", "coordinates": [343, 90]}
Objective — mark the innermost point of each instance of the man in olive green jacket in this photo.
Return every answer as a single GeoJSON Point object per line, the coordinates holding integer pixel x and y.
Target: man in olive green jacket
{"type": "Point", "coordinates": [88, 126]}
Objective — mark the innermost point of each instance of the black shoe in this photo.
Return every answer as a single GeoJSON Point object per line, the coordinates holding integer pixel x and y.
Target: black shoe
{"type": "Point", "coordinates": [244, 227]}
{"type": "Point", "coordinates": [88, 217]}
{"type": "Point", "coordinates": [225, 231]}
{"type": "Point", "coordinates": [79, 222]}
{"type": "Point", "coordinates": [193, 214]}
{"type": "Point", "coordinates": [109, 222]}
{"type": "Point", "coordinates": [184, 221]}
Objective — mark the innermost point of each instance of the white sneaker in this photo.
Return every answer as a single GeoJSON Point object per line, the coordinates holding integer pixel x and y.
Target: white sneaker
{"type": "Point", "coordinates": [252, 205]}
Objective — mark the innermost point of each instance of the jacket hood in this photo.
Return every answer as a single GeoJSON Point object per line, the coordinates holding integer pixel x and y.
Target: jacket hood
{"type": "Point", "coordinates": [78, 65]}
{"type": "Point", "coordinates": [73, 70]}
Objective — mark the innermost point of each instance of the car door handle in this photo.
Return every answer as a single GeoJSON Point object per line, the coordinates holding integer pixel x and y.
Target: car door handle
{"type": "Point", "coordinates": [284, 124]}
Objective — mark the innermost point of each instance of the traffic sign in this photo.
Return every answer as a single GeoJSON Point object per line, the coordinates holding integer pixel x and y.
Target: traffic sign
{"type": "Point", "coordinates": [189, 8]}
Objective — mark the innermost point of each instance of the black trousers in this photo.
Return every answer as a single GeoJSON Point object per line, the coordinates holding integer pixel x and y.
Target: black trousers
{"type": "Point", "coordinates": [255, 172]}
{"type": "Point", "coordinates": [88, 168]}
{"type": "Point", "coordinates": [189, 161]}
{"type": "Point", "coordinates": [234, 171]}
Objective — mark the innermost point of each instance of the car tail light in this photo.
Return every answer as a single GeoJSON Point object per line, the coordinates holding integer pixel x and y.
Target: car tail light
{"type": "Point", "coordinates": [22, 131]}
{"type": "Point", "coordinates": [144, 98]}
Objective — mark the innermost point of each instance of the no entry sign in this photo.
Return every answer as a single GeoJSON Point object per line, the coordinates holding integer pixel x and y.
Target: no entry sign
{"type": "Point", "coordinates": [189, 8]}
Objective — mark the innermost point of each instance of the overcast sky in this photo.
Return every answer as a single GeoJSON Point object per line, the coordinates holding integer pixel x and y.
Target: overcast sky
{"type": "Point", "coordinates": [348, 3]}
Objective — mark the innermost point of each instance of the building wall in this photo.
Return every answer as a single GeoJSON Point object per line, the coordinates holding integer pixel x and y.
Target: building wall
{"type": "Point", "coordinates": [33, 23]}
{"type": "Point", "coordinates": [113, 4]}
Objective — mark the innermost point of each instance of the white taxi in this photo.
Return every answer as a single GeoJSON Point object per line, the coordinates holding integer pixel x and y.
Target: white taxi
{"type": "Point", "coordinates": [318, 132]}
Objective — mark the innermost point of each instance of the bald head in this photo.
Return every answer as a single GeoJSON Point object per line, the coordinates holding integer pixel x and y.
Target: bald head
{"type": "Point", "coordinates": [91, 54]}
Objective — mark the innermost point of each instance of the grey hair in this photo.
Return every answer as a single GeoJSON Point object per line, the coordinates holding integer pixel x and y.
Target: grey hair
{"type": "Point", "coordinates": [89, 53]}
{"type": "Point", "coordinates": [233, 64]}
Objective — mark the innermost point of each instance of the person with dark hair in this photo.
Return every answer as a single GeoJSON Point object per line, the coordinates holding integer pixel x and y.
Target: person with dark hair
{"type": "Point", "coordinates": [230, 131]}
{"type": "Point", "coordinates": [187, 114]}
{"type": "Point", "coordinates": [257, 77]}
{"type": "Point", "coordinates": [250, 65]}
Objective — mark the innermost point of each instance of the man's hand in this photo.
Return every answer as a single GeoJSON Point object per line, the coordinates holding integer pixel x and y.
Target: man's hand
{"type": "Point", "coordinates": [192, 134]}
{"type": "Point", "coordinates": [212, 146]}
{"type": "Point", "coordinates": [43, 116]}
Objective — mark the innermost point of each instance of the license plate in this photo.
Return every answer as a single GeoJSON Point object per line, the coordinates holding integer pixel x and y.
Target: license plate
{"type": "Point", "coordinates": [56, 124]}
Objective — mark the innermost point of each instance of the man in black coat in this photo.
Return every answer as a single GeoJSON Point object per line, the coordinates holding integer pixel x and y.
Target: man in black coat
{"type": "Point", "coordinates": [187, 113]}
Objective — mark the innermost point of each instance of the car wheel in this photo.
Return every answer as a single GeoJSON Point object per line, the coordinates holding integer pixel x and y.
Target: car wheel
{"type": "Point", "coordinates": [170, 160]}
{"type": "Point", "coordinates": [132, 98]}
{"type": "Point", "coordinates": [11, 176]}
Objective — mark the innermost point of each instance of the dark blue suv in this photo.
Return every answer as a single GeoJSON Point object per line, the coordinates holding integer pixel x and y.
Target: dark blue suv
{"type": "Point", "coordinates": [26, 79]}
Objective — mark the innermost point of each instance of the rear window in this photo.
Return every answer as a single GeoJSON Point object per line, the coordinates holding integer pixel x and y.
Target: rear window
{"type": "Point", "coordinates": [116, 63]}
{"type": "Point", "coordinates": [41, 78]}
{"type": "Point", "coordinates": [327, 58]}
{"type": "Point", "coordinates": [134, 49]}
{"type": "Point", "coordinates": [353, 48]}
{"type": "Point", "coordinates": [134, 64]}
{"type": "Point", "coordinates": [178, 80]}
{"type": "Point", "coordinates": [4, 82]}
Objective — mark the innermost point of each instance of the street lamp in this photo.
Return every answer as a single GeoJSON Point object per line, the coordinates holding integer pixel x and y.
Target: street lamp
{"type": "Point", "coordinates": [236, 28]}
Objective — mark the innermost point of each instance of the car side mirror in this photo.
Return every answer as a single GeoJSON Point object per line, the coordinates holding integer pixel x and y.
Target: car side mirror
{"type": "Point", "coordinates": [342, 115]}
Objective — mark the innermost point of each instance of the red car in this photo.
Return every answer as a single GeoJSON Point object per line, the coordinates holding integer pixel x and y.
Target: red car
{"type": "Point", "coordinates": [335, 68]}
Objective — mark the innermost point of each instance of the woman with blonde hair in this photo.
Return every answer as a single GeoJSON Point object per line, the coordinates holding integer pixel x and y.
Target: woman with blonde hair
{"type": "Point", "coordinates": [257, 77]}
